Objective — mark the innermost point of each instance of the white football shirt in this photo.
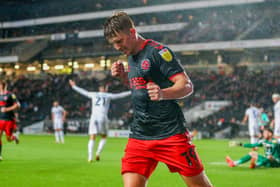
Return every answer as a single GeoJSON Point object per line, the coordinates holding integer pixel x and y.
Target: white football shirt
{"type": "Point", "coordinates": [100, 101]}
{"type": "Point", "coordinates": [277, 114]}
{"type": "Point", "coordinates": [253, 114]}
{"type": "Point", "coordinates": [57, 113]}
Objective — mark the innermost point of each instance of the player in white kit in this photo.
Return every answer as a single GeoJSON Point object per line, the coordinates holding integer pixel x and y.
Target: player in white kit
{"type": "Point", "coordinates": [98, 120]}
{"type": "Point", "coordinates": [275, 123]}
{"type": "Point", "coordinates": [253, 115]}
{"type": "Point", "coordinates": [58, 118]}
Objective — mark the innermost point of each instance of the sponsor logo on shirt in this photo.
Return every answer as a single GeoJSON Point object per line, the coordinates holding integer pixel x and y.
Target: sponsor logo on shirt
{"type": "Point", "coordinates": [137, 83]}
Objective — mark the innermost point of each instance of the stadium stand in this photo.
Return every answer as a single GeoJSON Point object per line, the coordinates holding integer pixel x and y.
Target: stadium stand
{"type": "Point", "coordinates": [82, 38]}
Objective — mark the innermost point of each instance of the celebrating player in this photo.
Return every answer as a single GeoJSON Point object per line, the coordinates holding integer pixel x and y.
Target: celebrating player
{"type": "Point", "coordinates": [253, 115]}
{"type": "Point", "coordinates": [275, 123]}
{"type": "Point", "coordinates": [58, 119]}
{"type": "Point", "coordinates": [98, 120]}
{"type": "Point", "coordinates": [8, 104]}
{"type": "Point", "coordinates": [272, 152]}
{"type": "Point", "coordinates": [157, 134]}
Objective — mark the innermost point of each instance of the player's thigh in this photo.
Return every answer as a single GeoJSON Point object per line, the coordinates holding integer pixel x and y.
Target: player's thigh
{"type": "Point", "coordinates": [263, 161]}
{"type": "Point", "coordinates": [134, 180]}
{"type": "Point", "coordinates": [1, 132]}
{"type": "Point", "coordinates": [2, 125]}
{"type": "Point", "coordinates": [254, 131]}
{"type": "Point", "coordinates": [179, 155]}
{"type": "Point", "coordinates": [92, 128]}
{"type": "Point", "coordinates": [138, 158]}
{"type": "Point", "coordinates": [277, 130]}
{"type": "Point", "coordinates": [200, 180]}
{"type": "Point", "coordinates": [9, 129]}
{"type": "Point", "coordinates": [57, 126]}
{"type": "Point", "coordinates": [102, 126]}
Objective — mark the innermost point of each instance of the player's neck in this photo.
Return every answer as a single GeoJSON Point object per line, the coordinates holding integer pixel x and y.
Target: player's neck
{"type": "Point", "coordinates": [2, 92]}
{"type": "Point", "coordinates": [139, 44]}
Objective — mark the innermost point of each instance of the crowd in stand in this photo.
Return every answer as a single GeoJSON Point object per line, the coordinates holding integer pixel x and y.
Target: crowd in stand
{"type": "Point", "coordinates": [36, 8]}
{"type": "Point", "coordinates": [213, 24]}
{"type": "Point", "coordinates": [241, 87]}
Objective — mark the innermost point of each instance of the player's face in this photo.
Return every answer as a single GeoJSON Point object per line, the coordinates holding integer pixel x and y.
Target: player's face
{"type": "Point", "coordinates": [55, 104]}
{"type": "Point", "coordinates": [101, 89]}
{"type": "Point", "coordinates": [2, 85]}
{"type": "Point", "coordinates": [275, 99]}
{"type": "Point", "coordinates": [123, 42]}
{"type": "Point", "coordinates": [267, 135]}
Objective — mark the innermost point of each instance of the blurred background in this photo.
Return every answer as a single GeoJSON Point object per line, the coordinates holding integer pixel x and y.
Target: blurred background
{"type": "Point", "coordinates": [230, 50]}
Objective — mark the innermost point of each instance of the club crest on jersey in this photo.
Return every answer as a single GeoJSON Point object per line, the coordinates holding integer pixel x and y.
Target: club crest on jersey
{"type": "Point", "coordinates": [145, 65]}
{"type": "Point", "coordinates": [14, 96]}
{"type": "Point", "coordinates": [166, 54]}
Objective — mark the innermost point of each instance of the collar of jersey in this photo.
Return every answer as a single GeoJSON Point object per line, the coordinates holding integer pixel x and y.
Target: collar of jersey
{"type": "Point", "coordinates": [145, 43]}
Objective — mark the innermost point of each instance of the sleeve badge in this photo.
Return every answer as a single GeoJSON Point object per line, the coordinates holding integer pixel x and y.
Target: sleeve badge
{"type": "Point", "coordinates": [14, 96]}
{"type": "Point", "coordinates": [166, 54]}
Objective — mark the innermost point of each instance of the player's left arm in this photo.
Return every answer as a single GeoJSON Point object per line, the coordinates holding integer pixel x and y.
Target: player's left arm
{"type": "Point", "coordinates": [120, 95]}
{"type": "Point", "coordinates": [15, 105]}
{"type": "Point", "coordinates": [166, 62]}
{"type": "Point", "coordinates": [64, 115]}
{"type": "Point", "coordinates": [249, 145]}
{"type": "Point", "coordinates": [245, 119]}
{"type": "Point", "coordinates": [181, 88]}
{"type": "Point", "coordinates": [272, 123]}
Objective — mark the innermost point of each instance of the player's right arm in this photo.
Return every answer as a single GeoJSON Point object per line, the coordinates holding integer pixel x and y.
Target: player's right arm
{"type": "Point", "coordinates": [52, 115]}
{"type": "Point", "coordinates": [79, 90]}
{"type": "Point", "coordinates": [245, 119]}
{"type": "Point", "coordinates": [117, 70]}
{"type": "Point", "coordinates": [15, 105]}
{"type": "Point", "coordinates": [249, 145]}
{"type": "Point", "coordinates": [120, 95]}
{"type": "Point", "coordinates": [272, 123]}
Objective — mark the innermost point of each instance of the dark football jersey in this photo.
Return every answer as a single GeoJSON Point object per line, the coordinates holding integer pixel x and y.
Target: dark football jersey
{"type": "Point", "coordinates": [7, 100]}
{"type": "Point", "coordinates": [154, 119]}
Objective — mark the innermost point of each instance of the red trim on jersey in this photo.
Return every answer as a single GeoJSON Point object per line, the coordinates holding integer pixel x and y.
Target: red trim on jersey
{"type": "Point", "coordinates": [3, 103]}
{"type": "Point", "coordinates": [172, 76]}
{"type": "Point", "coordinates": [145, 43]}
{"type": "Point", "coordinates": [151, 43]}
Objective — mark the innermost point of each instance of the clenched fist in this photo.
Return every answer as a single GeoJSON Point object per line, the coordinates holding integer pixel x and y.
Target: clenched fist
{"type": "Point", "coordinates": [154, 91]}
{"type": "Point", "coordinates": [72, 83]}
{"type": "Point", "coordinates": [117, 69]}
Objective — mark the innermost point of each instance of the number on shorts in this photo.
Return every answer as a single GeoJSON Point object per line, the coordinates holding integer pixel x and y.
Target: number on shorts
{"type": "Point", "coordinates": [190, 155]}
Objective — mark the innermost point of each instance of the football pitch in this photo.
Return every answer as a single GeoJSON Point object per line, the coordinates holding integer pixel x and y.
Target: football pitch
{"type": "Point", "coordinates": [38, 162]}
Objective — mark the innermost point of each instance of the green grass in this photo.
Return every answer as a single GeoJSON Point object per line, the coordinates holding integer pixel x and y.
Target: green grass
{"type": "Point", "coordinates": [38, 162]}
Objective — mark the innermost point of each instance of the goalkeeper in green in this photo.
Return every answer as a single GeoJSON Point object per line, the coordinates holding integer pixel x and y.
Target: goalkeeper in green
{"type": "Point", "coordinates": [272, 152]}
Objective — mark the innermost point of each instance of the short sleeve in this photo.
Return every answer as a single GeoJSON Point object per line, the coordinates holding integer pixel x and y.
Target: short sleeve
{"type": "Point", "coordinates": [13, 98]}
{"type": "Point", "coordinates": [61, 108]}
{"type": "Point", "coordinates": [167, 62]}
{"type": "Point", "coordinates": [247, 112]}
